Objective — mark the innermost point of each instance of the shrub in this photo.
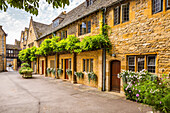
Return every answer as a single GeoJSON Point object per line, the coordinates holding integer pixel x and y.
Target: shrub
{"type": "Point", "coordinates": [53, 71]}
{"type": "Point", "coordinates": [69, 72]}
{"type": "Point", "coordinates": [25, 70]}
{"type": "Point", "coordinates": [59, 71]}
{"type": "Point", "coordinates": [25, 65]}
{"type": "Point", "coordinates": [79, 74]}
{"type": "Point", "coordinates": [48, 71]}
{"type": "Point", "coordinates": [92, 76]}
{"type": "Point", "coordinates": [146, 88]}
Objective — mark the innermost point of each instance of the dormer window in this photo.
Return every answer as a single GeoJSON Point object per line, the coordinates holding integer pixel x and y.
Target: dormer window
{"type": "Point", "coordinates": [89, 2]}
{"type": "Point", "coordinates": [56, 23]}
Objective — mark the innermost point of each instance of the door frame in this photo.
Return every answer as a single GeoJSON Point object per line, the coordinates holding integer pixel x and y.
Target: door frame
{"type": "Point", "coordinates": [111, 76]}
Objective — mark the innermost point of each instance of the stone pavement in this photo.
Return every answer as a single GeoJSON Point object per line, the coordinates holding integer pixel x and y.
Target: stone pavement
{"type": "Point", "coordinates": [48, 95]}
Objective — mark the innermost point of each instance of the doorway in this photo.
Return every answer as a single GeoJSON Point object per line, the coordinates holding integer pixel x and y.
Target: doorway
{"type": "Point", "coordinates": [66, 67]}
{"type": "Point", "coordinates": [115, 81]}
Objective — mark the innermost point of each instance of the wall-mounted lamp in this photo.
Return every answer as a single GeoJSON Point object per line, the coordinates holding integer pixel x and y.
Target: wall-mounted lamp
{"type": "Point", "coordinates": [113, 55]}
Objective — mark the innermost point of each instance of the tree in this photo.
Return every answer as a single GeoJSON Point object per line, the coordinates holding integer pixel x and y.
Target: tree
{"type": "Point", "coordinates": [30, 6]}
{"type": "Point", "coordinates": [28, 55]}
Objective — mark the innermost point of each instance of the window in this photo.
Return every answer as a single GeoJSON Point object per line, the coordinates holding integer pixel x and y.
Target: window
{"type": "Point", "coordinates": [91, 65]}
{"type": "Point", "coordinates": [149, 60]}
{"type": "Point", "coordinates": [40, 43]}
{"type": "Point", "coordinates": [131, 62]}
{"type": "Point", "coordinates": [157, 6]}
{"type": "Point", "coordinates": [89, 2]}
{"type": "Point", "coordinates": [168, 4]}
{"type": "Point", "coordinates": [89, 27]}
{"type": "Point", "coordinates": [125, 12]}
{"type": "Point", "coordinates": [63, 34]}
{"type": "Point", "coordinates": [87, 65]}
{"type": "Point", "coordinates": [61, 63]}
{"type": "Point", "coordinates": [56, 23]}
{"type": "Point", "coordinates": [117, 15]}
{"type": "Point", "coordinates": [141, 61]}
{"type": "Point", "coordinates": [69, 63]}
{"type": "Point", "coordinates": [85, 27]}
{"type": "Point", "coordinates": [54, 34]}
{"type": "Point", "coordinates": [151, 64]}
{"type": "Point", "coordinates": [52, 64]}
{"type": "Point", "coordinates": [84, 65]}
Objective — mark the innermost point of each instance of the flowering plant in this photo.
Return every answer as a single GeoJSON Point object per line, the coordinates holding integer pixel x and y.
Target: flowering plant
{"type": "Point", "coordinates": [146, 88]}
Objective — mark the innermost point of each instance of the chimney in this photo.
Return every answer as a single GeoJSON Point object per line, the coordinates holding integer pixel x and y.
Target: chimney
{"type": "Point", "coordinates": [31, 18]}
{"type": "Point", "coordinates": [0, 26]}
{"type": "Point", "coordinates": [64, 12]}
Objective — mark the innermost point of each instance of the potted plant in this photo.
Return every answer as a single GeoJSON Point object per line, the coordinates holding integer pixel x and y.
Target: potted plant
{"type": "Point", "coordinates": [53, 71]}
{"type": "Point", "coordinates": [69, 72]}
{"type": "Point", "coordinates": [79, 75]}
{"type": "Point", "coordinates": [48, 71]}
{"type": "Point", "coordinates": [92, 76]}
{"type": "Point", "coordinates": [25, 71]}
{"type": "Point", "coordinates": [59, 71]}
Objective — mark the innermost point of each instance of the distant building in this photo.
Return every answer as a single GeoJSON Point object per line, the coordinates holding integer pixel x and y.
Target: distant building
{"type": "Point", "coordinates": [3, 36]}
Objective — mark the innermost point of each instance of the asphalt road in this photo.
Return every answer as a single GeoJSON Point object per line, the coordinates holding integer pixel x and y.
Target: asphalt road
{"type": "Point", "coordinates": [45, 95]}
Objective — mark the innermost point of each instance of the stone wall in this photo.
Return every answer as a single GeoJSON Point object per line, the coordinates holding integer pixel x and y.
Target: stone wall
{"type": "Point", "coordinates": [97, 67]}
{"type": "Point", "coordinates": [144, 34]}
{"type": "Point", "coordinates": [1, 63]}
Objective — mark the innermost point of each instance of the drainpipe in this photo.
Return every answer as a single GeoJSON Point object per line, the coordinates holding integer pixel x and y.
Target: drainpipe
{"type": "Point", "coordinates": [104, 53]}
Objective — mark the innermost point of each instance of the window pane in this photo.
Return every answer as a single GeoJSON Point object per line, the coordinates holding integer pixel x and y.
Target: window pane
{"type": "Point", "coordinates": [117, 15]}
{"type": "Point", "coordinates": [141, 61]}
{"type": "Point", "coordinates": [87, 65]}
{"type": "Point", "coordinates": [89, 26]}
{"type": "Point", "coordinates": [151, 64]}
{"type": "Point", "coordinates": [52, 64]}
{"type": "Point", "coordinates": [125, 12]}
{"type": "Point", "coordinates": [156, 6]}
{"type": "Point", "coordinates": [84, 64]}
{"type": "Point", "coordinates": [131, 62]}
{"type": "Point", "coordinates": [70, 63]}
{"type": "Point", "coordinates": [168, 4]}
{"type": "Point", "coordinates": [83, 28]}
{"type": "Point", "coordinates": [91, 65]}
{"type": "Point", "coordinates": [61, 63]}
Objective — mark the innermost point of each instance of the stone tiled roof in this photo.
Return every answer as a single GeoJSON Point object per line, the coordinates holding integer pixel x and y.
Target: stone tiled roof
{"type": "Point", "coordinates": [10, 46]}
{"type": "Point", "coordinates": [40, 28]}
{"type": "Point", "coordinates": [79, 12]}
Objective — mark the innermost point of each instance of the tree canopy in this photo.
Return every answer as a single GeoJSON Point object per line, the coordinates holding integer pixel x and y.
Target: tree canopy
{"type": "Point", "coordinates": [28, 55]}
{"type": "Point", "coordinates": [30, 6]}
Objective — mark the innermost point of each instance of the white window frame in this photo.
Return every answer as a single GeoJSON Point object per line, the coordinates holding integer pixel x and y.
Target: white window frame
{"type": "Point", "coordinates": [161, 7]}
{"type": "Point", "coordinates": [122, 11]}
{"type": "Point", "coordinates": [167, 6]}
{"type": "Point", "coordinates": [118, 16]}
{"type": "Point", "coordinates": [134, 62]}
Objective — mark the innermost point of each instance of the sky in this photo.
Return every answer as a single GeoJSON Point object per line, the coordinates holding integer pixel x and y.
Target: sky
{"type": "Point", "coordinates": [13, 21]}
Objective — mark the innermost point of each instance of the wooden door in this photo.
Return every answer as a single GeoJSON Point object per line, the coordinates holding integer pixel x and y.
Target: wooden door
{"type": "Point", "coordinates": [66, 67]}
{"type": "Point", "coordinates": [42, 66]}
{"type": "Point", "coordinates": [115, 81]}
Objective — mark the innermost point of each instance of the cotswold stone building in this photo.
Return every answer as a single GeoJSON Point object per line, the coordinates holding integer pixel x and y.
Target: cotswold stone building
{"type": "Point", "coordinates": [139, 35]}
{"type": "Point", "coordinates": [2, 49]}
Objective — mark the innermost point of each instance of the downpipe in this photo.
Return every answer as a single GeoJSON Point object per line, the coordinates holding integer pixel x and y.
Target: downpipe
{"type": "Point", "coordinates": [104, 53]}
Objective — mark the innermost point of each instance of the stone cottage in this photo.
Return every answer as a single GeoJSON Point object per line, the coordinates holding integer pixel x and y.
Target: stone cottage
{"type": "Point", "coordinates": [3, 36]}
{"type": "Point", "coordinates": [139, 35]}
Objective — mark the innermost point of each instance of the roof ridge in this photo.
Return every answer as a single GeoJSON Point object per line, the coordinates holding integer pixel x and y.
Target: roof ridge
{"type": "Point", "coordinates": [40, 23]}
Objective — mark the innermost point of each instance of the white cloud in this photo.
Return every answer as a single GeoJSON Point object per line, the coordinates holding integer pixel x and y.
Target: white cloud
{"type": "Point", "coordinates": [15, 20]}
